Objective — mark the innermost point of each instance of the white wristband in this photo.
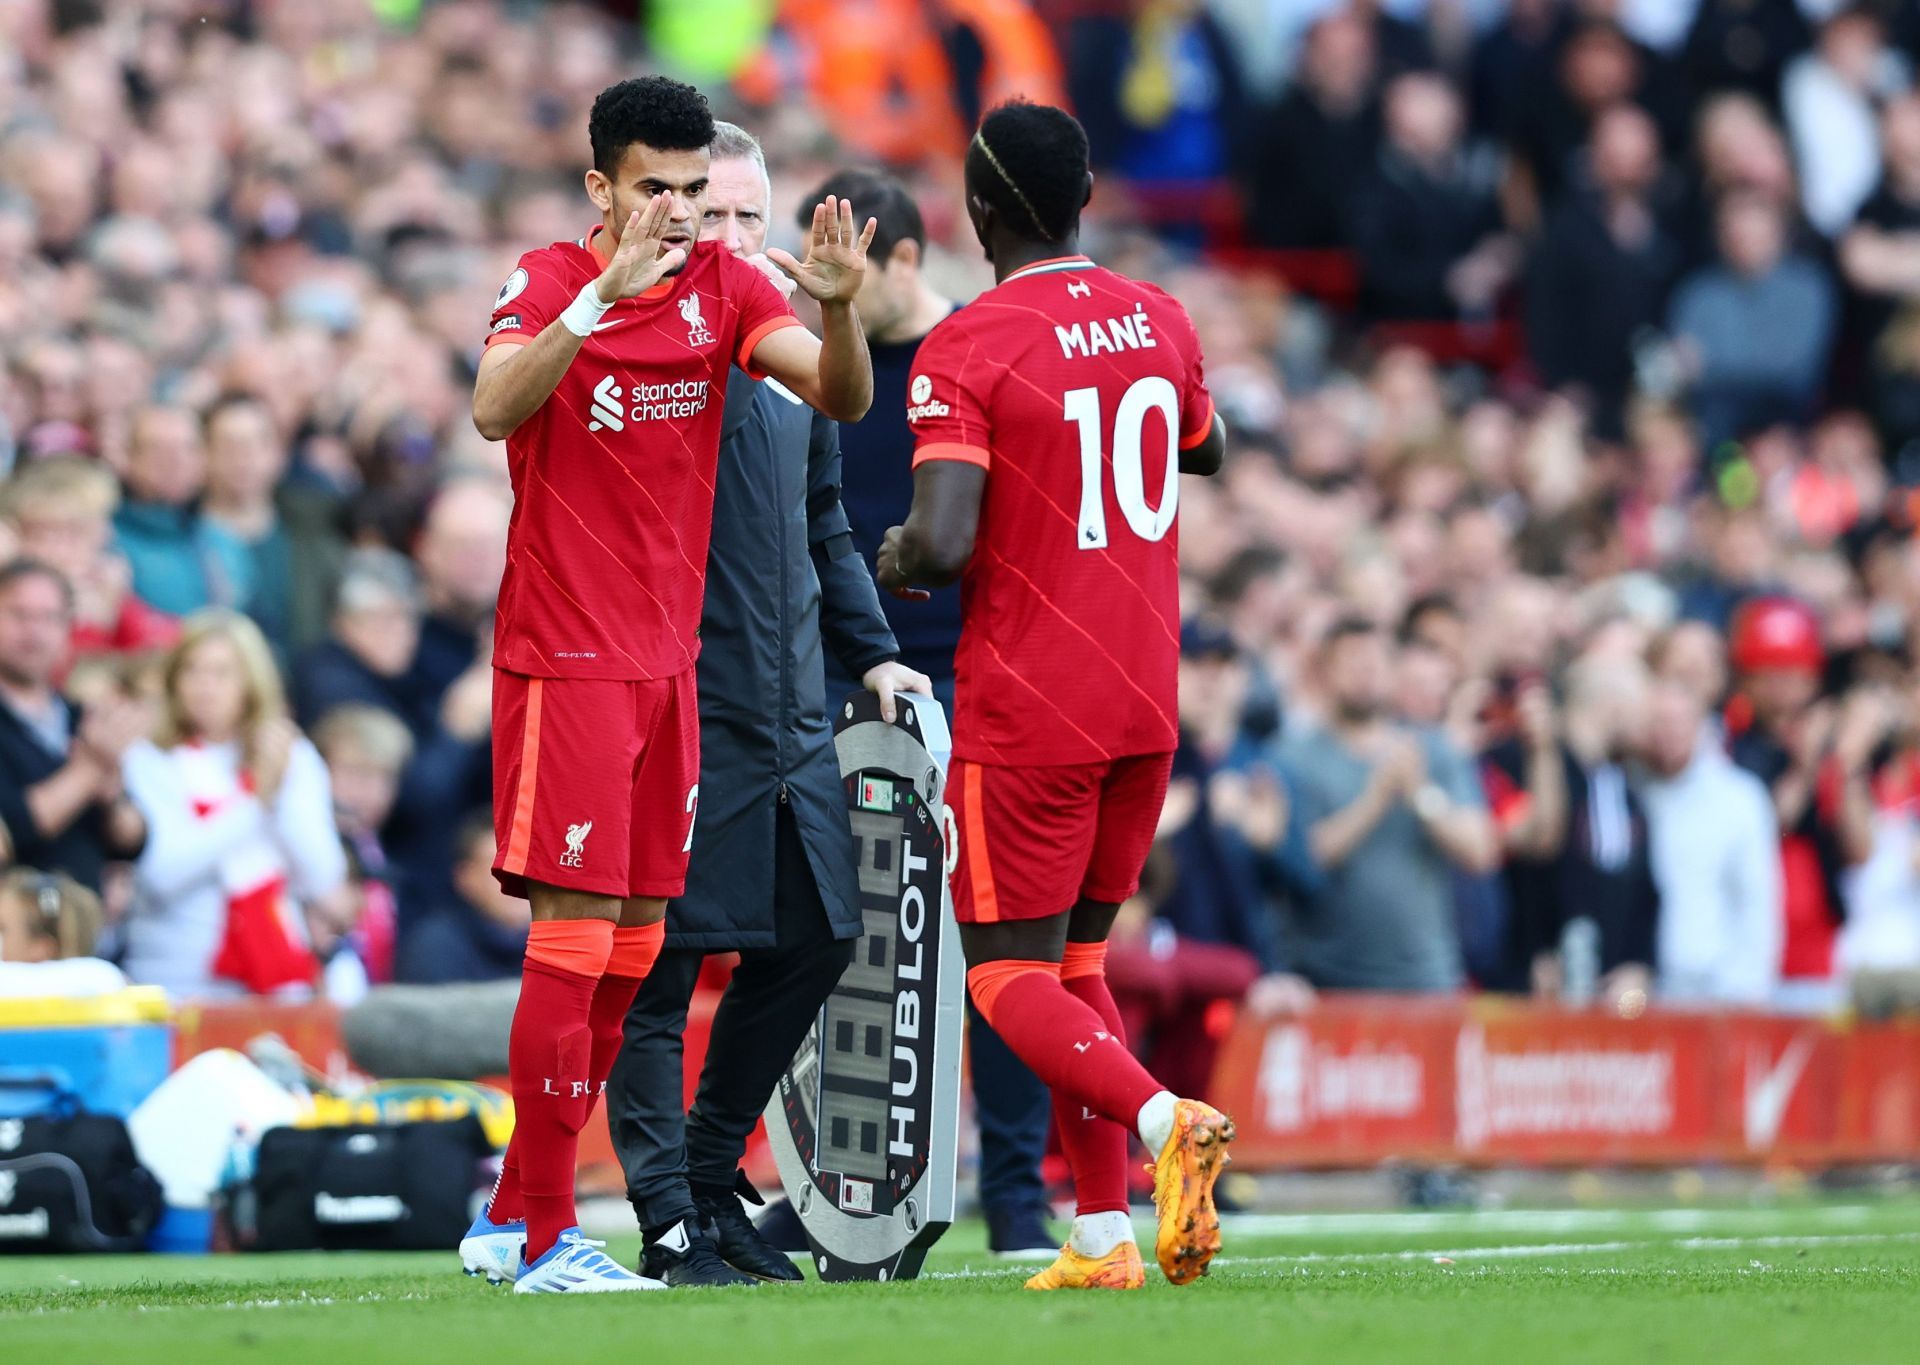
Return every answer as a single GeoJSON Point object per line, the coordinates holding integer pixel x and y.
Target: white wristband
{"type": "Point", "coordinates": [584, 312]}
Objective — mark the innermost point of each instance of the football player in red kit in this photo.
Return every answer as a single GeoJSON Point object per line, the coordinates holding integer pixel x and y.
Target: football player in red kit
{"type": "Point", "coordinates": [605, 372]}
{"type": "Point", "coordinates": [1053, 417]}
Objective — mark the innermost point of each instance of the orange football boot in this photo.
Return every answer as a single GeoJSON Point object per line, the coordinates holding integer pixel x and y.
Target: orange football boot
{"type": "Point", "coordinates": [1120, 1268]}
{"type": "Point", "coordinates": [1195, 1154]}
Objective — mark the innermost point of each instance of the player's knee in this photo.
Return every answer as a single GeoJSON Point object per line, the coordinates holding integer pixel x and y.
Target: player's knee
{"type": "Point", "coordinates": [1090, 921]}
{"type": "Point", "coordinates": [636, 912]}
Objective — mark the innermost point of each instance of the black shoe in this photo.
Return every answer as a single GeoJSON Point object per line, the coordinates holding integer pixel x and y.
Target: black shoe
{"type": "Point", "coordinates": [738, 1240]}
{"type": "Point", "coordinates": [686, 1257]}
{"type": "Point", "coordinates": [1020, 1233]}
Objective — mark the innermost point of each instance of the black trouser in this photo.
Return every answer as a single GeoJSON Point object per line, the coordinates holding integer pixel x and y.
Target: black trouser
{"type": "Point", "coordinates": [766, 1009]}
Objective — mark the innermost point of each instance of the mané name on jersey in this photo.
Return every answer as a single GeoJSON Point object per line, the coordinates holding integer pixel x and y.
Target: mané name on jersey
{"type": "Point", "coordinates": [1076, 389]}
{"type": "Point", "coordinates": [613, 475]}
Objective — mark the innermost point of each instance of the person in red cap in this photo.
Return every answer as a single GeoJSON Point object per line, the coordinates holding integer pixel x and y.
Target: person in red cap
{"type": "Point", "coordinates": [1813, 757]}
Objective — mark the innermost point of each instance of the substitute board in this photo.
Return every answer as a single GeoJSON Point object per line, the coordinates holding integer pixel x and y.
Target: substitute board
{"type": "Point", "coordinates": [865, 1121]}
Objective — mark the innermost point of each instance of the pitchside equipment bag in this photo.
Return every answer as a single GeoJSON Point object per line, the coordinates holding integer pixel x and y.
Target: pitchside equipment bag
{"type": "Point", "coordinates": [366, 1187]}
{"type": "Point", "coordinates": [865, 1122]}
{"type": "Point", "coordinates": [69, 1180]}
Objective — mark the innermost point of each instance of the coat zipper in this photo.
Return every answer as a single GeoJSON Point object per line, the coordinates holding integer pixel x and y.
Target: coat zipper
{"type": "Point", "coordinates": [782, 703]}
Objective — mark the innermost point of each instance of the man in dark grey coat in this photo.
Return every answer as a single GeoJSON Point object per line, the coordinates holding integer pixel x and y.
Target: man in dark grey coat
{"type": "Point", "coordinates": [772, 871]}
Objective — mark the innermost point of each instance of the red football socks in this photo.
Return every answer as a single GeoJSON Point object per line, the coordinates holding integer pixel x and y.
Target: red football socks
{"type": "Point", "coordinates": [635, 950]}
{"type": "Point", "coordinates": [1095, 1147]}
{"type": "Point", "coordinates": [549, 1060]}
{"type": "Point", "coordinates": [1061, 1038]}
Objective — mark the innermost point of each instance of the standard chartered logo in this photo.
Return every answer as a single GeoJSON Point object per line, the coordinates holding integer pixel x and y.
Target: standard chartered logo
{"type": "Point", "coordinates": [606, 407]}
{"type": "Point", "coordinates": [675, 401]}
{"type": "Point", "coordinates": [669, 402]}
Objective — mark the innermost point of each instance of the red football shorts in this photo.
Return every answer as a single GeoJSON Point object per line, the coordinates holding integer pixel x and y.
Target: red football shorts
{"type": "Point", "coordinates": [1030, 842]}
{"type": "Point", "coordinates": [595, 783]}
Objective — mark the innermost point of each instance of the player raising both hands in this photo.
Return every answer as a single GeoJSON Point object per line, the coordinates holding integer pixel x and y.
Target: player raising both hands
{"type": "Point", "coordinates": [605, 373]}
{"type": "Point", "coordinates": [1053, 417]}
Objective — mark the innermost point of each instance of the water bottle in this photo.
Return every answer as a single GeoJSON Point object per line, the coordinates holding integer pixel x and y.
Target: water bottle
{"type": "Point", "coordinates": [1579, 962]}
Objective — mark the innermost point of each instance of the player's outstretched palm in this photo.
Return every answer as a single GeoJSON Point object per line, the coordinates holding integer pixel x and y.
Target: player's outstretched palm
{"type": "Point", "coordinates": [637, 264]}
{"type": "Point", "coordinates": [836, 255]}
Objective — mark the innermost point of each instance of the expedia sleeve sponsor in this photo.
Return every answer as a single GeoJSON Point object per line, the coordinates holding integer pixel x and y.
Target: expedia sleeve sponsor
{"type": "Point", "coordinates": [924, 404]}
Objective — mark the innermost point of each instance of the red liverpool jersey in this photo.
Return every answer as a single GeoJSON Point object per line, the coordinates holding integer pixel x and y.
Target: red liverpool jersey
{"type": "Point", "coordinates": [613, 475]}
{"type": "Point", "coordinates": [1076, 389]}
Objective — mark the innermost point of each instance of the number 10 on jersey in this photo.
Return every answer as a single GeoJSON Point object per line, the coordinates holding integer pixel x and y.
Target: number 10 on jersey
{"type": "Point", "coordinates": [1129, 476]}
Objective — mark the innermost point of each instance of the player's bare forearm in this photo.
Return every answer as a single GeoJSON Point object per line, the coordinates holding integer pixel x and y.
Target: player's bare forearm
{"type": "Point", "coordinates": [515, 380]}
{"type": "Point", "coordinates": [846, 370]}
{"type": "Point", "coordinates": [933, 547]}
{"type": "Point", "coordinates": [1207, 457]}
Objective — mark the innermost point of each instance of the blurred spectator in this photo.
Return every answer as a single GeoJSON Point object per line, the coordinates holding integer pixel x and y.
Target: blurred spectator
{"type": "Point", "coordinates": [1602, 269]}
{"type": "Point", "coordinates": [1525, 779]}
{"type": "Point", "coordinates": [232, 890]}
{"type": "Point", "coordinates": [61, 804]}
{"type": "Point", "coordinates": [1754, 329]}
{"type": "Point", "coordinates": [480, 932]}
{"type": "Point", "coordinates": [1831, 96]}
{"type": "Point", "coordinates": [1237, 847]}
{"type": "Point", "coordinates": [1740, 149]}
{"type": "Point", "coordinates": [1715, 862]}
{"type": "Point", "coordinates": [1744, 44]}
{"type": "Point", "coordinates": [1427, 223]}
{"type": "Point", "coordinates": [1513, 68]}
{"type": "Point", "coordinates": [1388, 814]}
{"type": "Point", "coordinates": [1179, 95]}
{"type": "Point", "coordinates": [181, 561]}
{"type": "Point", "coordinates": [1327, 123]}
{"type": "Point", "coordinates": [1743, 561]}
{"type": "Point", "coordinates": [1879, 949]}
{"type": "Point", "coordinates": [62, 510]}
{"type": "Point", "coordinates": [49, 928]}
{"type": "Point", "coordinates": [1595, 869]}
{"type": "Point", "coordinates": [366, 749]}
{"type": "Point", "coordinates": [368, 653]}
{"type": "Point", "coordinates": [1692, 656]}
{"type": "Point", "coordinates": [1599, 68]}
{"type": "Point", "coordinates": [293, 552]}
{"type": "Point", "coordinates": [371, 659]}
{"type": "Point", "coordinates": [1880, 259]}
{"type": "Point", "coordinates": [1784, 734]}
{"type": "Point", "coordinates": [462, 552]}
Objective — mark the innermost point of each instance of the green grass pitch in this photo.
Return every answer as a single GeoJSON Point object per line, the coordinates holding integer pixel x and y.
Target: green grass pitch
{"type": "Point", "coordinates": [1816, 1284]}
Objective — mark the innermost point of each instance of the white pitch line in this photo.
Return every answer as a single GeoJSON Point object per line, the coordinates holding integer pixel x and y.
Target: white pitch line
{"type": "Point", "coordinates": [1521, 1251]}
{"type": "Point", "coordinates": [1550, 1221]}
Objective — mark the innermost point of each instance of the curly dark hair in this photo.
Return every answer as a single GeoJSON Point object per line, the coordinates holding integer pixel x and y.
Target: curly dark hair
{"type": "Point", "coordinates": [1030, 162]}
{"type": "Point", "coordinates": [664, 114]}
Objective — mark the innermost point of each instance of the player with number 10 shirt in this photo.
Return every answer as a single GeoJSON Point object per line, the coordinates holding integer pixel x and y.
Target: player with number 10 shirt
{"type": "Point", "coordinates": [1053, 417]}
{"type": "Point", "coordinates": [1076, 389]}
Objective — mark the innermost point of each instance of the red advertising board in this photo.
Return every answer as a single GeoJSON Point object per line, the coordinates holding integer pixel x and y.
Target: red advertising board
{"type": "Point", "coordinates": [1482, 1081]}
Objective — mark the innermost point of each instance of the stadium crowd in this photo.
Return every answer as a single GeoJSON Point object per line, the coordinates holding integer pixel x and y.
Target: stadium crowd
{"type": "Point", "coordinates": [1548, 630]}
